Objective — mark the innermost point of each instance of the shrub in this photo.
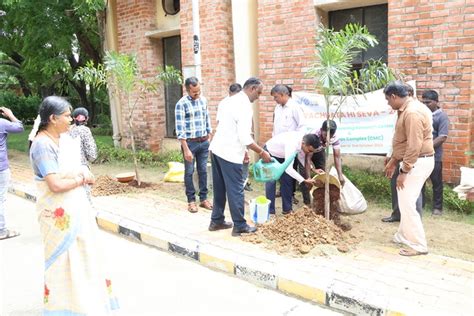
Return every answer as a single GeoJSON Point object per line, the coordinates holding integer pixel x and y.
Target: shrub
{"type": "Point", "coordinates": [376, 188]}
{"type": "Point", "coordinates": [107, 153]}
{"type": "Point", "coordinates": [450, 200]}
{"type": "Point", "coordinates": [103, 126]}
{"type": "Point", "coordinates": [24, 108]}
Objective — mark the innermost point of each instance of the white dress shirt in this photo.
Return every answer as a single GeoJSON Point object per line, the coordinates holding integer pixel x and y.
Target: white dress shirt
{"type": "Point", "coordinates": [289, 117]}
{"type": "Point", "coordinates": [283, 146]}
{"type": "Point", "coordinates": [233, 133]}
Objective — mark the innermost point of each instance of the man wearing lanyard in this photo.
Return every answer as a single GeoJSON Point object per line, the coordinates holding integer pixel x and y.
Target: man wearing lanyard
{"type": "Point", "coordinates": [193, 129]}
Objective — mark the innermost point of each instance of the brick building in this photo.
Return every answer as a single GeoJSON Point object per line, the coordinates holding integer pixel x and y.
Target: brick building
{"type": "Point", "coordinates": [431, 42]}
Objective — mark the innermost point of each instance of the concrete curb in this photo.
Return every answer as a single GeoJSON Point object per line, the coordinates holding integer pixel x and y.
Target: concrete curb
{"type": "Point", "coordinates": [266, 273]}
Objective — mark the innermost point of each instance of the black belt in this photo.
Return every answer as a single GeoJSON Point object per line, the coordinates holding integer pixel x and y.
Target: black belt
{"type": "Point", "coordinates": [425, 156]}
{"type": "Point", "coordinates": [198, 139]}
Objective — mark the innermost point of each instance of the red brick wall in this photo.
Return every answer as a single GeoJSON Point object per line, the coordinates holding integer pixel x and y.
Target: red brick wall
{"type": "Point", "coordinates": [433, 43]}
{"type": "Point", "coordinates": [217, 49]}
{"type": "Point", "coordinates": [134, 18]}
{"type": "Point", "coordinates": [286, 39]}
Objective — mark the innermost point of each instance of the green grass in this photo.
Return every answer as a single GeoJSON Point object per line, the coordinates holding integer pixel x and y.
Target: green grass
{"type": "Point", "coordinates": [19, 141]}
{"type": "Point", "coordinates": [104, 140]}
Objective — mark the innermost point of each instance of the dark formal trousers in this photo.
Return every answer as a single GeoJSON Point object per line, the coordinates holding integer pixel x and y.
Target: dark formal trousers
{"type": "Point", "coordinates": [436, 178]}
{"type": "Point", "coordinates": [228, 184]}
{"type": "Point", "coordinates": [286, 189]}
{"type": "Point", "coordinates": [319, 161]}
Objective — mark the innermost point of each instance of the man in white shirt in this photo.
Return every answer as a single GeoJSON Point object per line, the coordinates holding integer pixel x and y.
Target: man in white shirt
{"type": "Point", "coordinates": [232, 138]}
{"type": "Point", "coordinates": [282, 147]}
{"type": "Point", "coordinates": [288, 115]}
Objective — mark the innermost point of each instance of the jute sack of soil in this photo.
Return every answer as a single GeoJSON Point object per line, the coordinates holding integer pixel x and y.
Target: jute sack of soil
{"type": "Point", "coordinates": [318, 194]}
{"type": "Point", "coordinates": [352, 201]}
{"type": "Point", "coordinates": [334, 197]}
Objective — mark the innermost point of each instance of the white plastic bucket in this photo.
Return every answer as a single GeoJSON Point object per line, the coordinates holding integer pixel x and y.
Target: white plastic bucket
{"type": "Point", "coordinates": [259, 212]}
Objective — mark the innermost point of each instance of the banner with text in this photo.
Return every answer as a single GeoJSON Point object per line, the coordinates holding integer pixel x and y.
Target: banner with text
{"type": "Point", "coordinates": [365, 122]}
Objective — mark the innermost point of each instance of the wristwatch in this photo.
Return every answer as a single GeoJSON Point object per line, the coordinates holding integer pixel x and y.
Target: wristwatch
{"type": "Point", "coordinates": [401, 171]}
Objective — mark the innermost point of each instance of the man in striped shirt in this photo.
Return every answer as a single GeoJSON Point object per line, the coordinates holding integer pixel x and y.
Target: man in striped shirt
{"type": "Point", "coordinates": [193, 130]}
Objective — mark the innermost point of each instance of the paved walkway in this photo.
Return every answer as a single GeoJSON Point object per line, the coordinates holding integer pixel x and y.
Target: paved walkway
{"type": "Point", "coordinates": [374, 281]}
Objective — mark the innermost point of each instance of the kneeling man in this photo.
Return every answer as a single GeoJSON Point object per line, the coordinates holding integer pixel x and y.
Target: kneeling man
{"type": "Point", "coordinates": [282, 147]}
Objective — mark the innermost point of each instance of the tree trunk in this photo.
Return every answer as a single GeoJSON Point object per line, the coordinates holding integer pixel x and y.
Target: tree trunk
{"type": "Point", "coordinates": [132, 140]}
{"type": "Point", "coordinates": [92, 105]}
{"type": "Point", "coordinates": [327, 202]}
{"type": "Point", "coordinates": [23, 85]}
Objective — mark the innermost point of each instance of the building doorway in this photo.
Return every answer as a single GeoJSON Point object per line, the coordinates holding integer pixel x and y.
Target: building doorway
{"type": "Point", "coordinates": [173, 92]}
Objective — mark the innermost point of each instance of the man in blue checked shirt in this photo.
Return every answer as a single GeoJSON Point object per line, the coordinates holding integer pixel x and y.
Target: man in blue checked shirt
{"type": "Point", "coordinates": [193, 129]}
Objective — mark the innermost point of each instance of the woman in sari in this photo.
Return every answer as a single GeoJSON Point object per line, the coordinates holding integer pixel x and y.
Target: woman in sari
{"type": "Point", "coordinates": [74, 281]}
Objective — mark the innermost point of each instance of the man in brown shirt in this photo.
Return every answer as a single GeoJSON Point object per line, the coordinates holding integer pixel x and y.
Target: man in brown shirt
{"type": "Point", "coordinates": [413, 148]}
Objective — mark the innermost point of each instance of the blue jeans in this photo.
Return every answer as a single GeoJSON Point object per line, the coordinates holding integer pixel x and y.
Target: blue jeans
{"type": "Point", "coordinates": [200, 151]}
{"type": "Point", "coordinates": [4, 183]}
{"type": "Point", "coordinates": [286, 189]}
{"type": "Point", "coordinates": [228, 184]}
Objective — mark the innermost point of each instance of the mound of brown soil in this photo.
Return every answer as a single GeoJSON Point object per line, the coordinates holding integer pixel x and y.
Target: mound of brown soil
{"type": "Point", "coordinates": [300, 232]}
{"type": "Point", "coordinates": [106, 185]}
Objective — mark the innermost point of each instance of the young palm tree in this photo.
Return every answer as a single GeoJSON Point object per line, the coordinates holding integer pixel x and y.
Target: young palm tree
{"type": "Point", "coordinates": [121, 73]}
{"type": "Point", "coordinates": [334, 77]}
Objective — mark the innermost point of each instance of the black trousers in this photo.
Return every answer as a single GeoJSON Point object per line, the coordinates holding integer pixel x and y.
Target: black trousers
{"type": "Point", "coordinates": [319, 161]}
{"type": "Point", "coordinates": [436, 178]}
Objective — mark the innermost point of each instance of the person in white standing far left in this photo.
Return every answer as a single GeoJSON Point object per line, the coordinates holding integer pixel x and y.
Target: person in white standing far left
{"type": "Point", "coordinates": [12, 125]}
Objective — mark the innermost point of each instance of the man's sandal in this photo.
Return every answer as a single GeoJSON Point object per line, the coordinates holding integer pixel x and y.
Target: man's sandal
{"type": "Point", "coordinates": [9, 234]}
{"type": "Point", "coordinates": [192, 208]}
{"type": "Point", "coordinates": [206, 204]}
{"type": "Point", "coordinates": [411, 253]}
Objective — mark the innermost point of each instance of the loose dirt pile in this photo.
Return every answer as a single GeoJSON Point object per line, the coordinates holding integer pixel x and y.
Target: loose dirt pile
{"type": "Point", "coordinates": [334, 212]}
{"type": "Point", "coordinates": [106, 185]}
{"type": "Point", "coordinates": [300, 232]}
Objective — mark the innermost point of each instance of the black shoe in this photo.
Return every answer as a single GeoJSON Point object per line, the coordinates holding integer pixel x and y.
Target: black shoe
{"type": "Point", "coordinates": [225, 225]}
{"type": "Point", "coordinates": [390, 219]}
{"type": "Point", "coordinates": [287, 212]}
{"type": "Point", "coordinates": [295, 201]}
{"type": "Point", "coordinates": [246, 230]}
{"type": "Point", "coordinates": [247, 187]}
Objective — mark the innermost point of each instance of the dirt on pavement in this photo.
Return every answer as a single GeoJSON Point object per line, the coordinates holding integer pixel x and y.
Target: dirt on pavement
{"type": "Point", "coordinates": [300, 232]}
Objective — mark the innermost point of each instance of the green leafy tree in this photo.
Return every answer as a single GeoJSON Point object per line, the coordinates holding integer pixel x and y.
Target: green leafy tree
{"type": "Point", "coordinates": [121, 73]}
{"type": "Point", "coordinates": [45, 42]}
{"type": "Point", "coordinates": [334, 77]}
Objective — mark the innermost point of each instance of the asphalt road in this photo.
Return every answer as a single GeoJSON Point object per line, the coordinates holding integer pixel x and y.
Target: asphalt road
{"type": "Point", "coordinates": [147, 281]}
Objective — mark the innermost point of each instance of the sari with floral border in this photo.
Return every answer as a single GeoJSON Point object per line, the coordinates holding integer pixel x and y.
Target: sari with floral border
{"type": "Point", "coordinates": [75, 283]}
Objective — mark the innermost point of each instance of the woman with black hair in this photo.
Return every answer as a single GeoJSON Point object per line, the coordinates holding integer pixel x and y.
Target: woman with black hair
{"type": "Point", "coordinates": [81, 131]}
{"type": "Point", "coordinates": [74, 280]}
